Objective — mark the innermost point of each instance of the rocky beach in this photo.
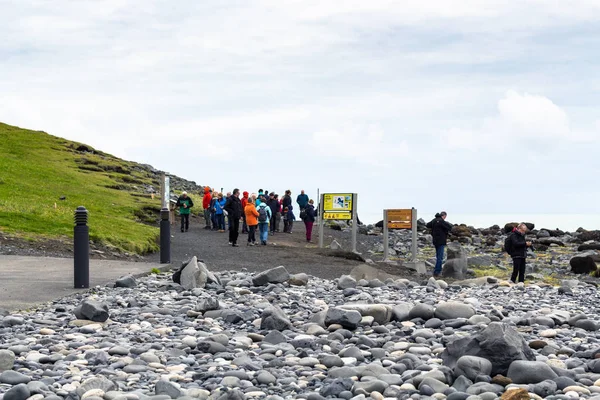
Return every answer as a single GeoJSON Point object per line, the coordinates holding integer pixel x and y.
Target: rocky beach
{"type": "Point", "coordinates": [244, 335]}
{"type": "Point", "coordinates": [375, 330]}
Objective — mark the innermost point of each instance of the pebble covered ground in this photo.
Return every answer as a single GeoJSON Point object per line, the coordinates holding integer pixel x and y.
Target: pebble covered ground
{"type": "Point", "coordinates": [272, 335]}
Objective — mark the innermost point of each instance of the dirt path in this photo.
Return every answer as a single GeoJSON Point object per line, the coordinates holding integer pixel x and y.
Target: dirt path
{"type": "Point", "coordinates": [289, 250]}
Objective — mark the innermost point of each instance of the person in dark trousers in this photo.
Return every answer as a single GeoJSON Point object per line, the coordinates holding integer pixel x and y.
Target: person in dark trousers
{"type": "Point", "coordinates": [206, 206]}
{"type": "Point", "coordinates": [439, 230]}
{"type": "Point", "coordinates": [234, 211]}
{"type": "Point", "coordinates": [245, 200]}
{"type": "Point", "coordinates": [302, 200]}
{"type": "Point", "coordinates": [309, 219]}
{"type": "Point", "coordinates": [288, 219]}
{"type": "Point", "coordinates": [184, 203]}
{"type": "Point", "coordinates": [273, 204]}
{"type": "Point", "coordinates": [518, 252]}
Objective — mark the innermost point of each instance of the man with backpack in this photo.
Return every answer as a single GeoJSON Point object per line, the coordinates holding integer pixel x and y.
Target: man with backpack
{"type": "Point", "coordinates": [439, 230]}
{"type": "Point", "coordinates": [516, 246]}
{"type": "Point", "coordinates": [264, 216]}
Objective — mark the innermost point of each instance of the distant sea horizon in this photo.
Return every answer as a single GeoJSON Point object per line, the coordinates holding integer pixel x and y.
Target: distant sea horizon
{"type": "Point", "coordinates": [564, 222]}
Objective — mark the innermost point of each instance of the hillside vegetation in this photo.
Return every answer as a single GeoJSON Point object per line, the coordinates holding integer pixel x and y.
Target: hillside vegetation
{"type": "Point", "coordinates": [44, 178]}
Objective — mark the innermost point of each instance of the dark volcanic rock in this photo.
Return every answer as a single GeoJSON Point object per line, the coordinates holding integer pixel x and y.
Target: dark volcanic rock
{"type": "Point", "coordinates": [92, 310]}
{"type": "Point", "coordinates": [274, 275]}
{"type": "Point", "coordinates": [499, 343]}
{"type": "Point", "coordinates": [582, 264]}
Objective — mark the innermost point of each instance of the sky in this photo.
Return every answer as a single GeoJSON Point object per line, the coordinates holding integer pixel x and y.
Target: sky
{"type": "Point", "coordinates": [473, 107]}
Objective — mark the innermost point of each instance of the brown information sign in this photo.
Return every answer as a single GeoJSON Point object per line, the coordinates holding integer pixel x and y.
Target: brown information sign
{"type": "Point", "coordinates": [399, 219]}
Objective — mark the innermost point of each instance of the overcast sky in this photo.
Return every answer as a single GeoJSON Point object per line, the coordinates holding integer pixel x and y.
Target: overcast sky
{"type": "Point", "coordinates": [468, 106]}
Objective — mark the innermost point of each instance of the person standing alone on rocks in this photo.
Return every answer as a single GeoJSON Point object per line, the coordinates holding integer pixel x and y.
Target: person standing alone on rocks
{"type": "Point", "coordinates": [309, 219]}
{"type": "Point", "coordinates": [206, 199]}
{"type": "Point", "coordinates": [234, 213]}
{"type": "Point", "coordinates": [518, 252]}
{"type": "Point", "coordinates": [251, 218]}
{"type": "Point", "coordinates": [439, 230]}
{"type": "Point", "coordinates": [185, 203]}
{"type": "Point", "coordinates": [302, 200]}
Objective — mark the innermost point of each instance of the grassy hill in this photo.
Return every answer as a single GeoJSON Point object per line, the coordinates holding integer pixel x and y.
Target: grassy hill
{"type": "Point", "coordinates": [38, 169]}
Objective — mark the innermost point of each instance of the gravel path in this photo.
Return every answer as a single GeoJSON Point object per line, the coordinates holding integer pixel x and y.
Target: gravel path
{"type": "Point", "coordinates": [289, 250]}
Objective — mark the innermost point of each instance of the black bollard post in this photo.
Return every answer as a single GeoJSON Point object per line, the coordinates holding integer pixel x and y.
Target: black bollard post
{"type": "Point", "coordinates": [81, 251]}
{"type": "Point", "coordinates": [165, 237]}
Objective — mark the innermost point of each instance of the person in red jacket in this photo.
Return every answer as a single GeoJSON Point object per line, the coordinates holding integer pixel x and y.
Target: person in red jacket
{"type": "Point", "coordinates": [206, 206]}
{"type": "Point", "coordinates": [244, 204]}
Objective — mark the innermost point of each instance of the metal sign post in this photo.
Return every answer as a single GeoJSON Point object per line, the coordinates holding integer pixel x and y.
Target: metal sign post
{"type": "Point", "coordinates": [414, 235]}
{"type": "Point", "coordinates": [321, 221]}
{"type": "Point", "coordinates": [354, 222]}
{"type": "Point", "coordinates": [386, 238]}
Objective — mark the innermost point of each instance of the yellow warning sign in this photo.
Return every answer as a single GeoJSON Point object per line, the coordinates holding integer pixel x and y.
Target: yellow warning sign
{"type": "Point", "coordinates": [336, 202]}
{"type": "Point", "coordinates": [337, 215]}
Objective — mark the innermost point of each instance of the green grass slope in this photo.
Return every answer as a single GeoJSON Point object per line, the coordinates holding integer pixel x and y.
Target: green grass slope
{"type": "Point", "coordinates": [37, 169]}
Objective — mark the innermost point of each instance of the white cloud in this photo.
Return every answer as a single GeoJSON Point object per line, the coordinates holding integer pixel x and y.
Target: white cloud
{"type": "Point", "coordinates": [365, 146]}
{"type": "Point", "coordinates": [532, 116]}
{"type": "Point", "coordinates": [382, 87]}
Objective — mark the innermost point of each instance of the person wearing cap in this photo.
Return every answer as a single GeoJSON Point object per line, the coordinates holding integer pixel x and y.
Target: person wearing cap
{"type": "Point", "coordinates": [439, 230]}
{"type": "Point", "coordinates": [184, 202]}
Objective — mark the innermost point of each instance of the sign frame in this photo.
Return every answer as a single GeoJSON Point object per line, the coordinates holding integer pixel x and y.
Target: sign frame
{"type": "Point", "coordinates": [412, 226]}
{"type": "Point", "coordinates": [345, 210]}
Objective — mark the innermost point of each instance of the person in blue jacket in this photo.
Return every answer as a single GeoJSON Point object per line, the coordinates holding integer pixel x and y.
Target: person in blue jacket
{"type": "Point", "coordinates": [219, 205]}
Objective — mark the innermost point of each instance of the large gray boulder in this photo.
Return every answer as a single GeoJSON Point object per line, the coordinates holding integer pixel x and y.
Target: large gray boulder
{"type": "Point", "coordinates": [401, 311]}
{"type": "Point", "coordinates": [127, 281]}
{"type": "Point", "coordinates": [7, 360]}
{"type": "Point", "coordinates": [92, 310]}
{"type": "Point", "coordinates": [346, 282]}
{"type": "Point", "coordinates": [499, 343]}
{"type": "Point", "coordinates": [526, 372]}
{"type": "Point", "coordinates": [457, 263]}
{"type": "Point", "coordinates": [453, 310]}
{"type": "Point", "coordinates": [471, 367]}
{"type": "Point", "coordinates": [381, 313]}
{"type": "Point", "coordinates": [191, 276]}
{"type": "Point", "coordinates": [273, 318]}
{"type": "Point", "coordinates": [349, 319]}
{"type": "Point", "coordinates": [274, 275]}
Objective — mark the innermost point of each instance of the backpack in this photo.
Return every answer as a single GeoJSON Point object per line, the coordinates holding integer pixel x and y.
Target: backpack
{"type": "Point", "coordinates": [508, 244]}
{"type": "Point", "coordinates": [262, 214]}
{"type": "Point", "coordinates": [303, 214]}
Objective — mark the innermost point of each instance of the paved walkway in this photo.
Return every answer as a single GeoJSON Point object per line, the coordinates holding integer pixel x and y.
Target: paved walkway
{"type": "Point", "coordinates": [29, 281]}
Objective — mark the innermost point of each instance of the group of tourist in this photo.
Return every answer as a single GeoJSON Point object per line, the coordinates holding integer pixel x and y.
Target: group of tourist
{"type": "Point", "coordinates": [262, 212]}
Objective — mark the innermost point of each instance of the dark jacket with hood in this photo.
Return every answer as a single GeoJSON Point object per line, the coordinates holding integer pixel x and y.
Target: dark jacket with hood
{"type": "Point", "coordinates": [286, 201]}
{"type": "Point", "coordinates": [518, 246]}
{"type": "Point", "coordinates": [439, 230]}
{"type": "Point", "coordinates": [274, 205]}
{"type": "Point", "coordinates": [311, 214]}
{"type": "Point", "coordinates": [234, 207]}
